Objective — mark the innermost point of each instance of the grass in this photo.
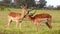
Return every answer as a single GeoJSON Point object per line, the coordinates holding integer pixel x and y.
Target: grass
{"type": "Point", "coordinates": [27, 26]}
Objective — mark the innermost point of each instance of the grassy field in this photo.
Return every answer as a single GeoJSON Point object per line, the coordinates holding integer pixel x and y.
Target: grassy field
{"type": "Point", "coordinates": [27, 26]}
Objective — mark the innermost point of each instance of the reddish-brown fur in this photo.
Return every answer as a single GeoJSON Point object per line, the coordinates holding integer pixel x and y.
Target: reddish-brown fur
{"type": "Point", "coordinates": [13, 14]}
{"type": "Point", "coordinates": [17, 17]}
{"type": "Point", "coordinates": [39, 18]}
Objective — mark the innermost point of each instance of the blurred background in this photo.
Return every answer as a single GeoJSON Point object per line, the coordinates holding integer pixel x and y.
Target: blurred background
{"type": "Point", "coordinates": [40, 4]}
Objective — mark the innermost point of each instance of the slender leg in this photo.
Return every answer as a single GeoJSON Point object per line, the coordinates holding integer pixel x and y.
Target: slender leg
{"type": "Point", "coordinates": [36, 27]}
{"type": "Point", "coordinates": [9, 22]}
{"type": "Point", "coordinates": [48, 23]}
{"type": "Point", "coordinates": [17, 23]}
{"type": "Point", "coordinates": [20, 26]}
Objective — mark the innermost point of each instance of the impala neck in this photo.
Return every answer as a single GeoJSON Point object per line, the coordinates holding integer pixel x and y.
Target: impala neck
{"type": "Point", "coordinates": [24, 12]}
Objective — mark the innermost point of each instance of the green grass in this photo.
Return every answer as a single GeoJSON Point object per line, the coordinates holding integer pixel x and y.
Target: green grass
{"type": "Point", "coordinates": [27, 26]}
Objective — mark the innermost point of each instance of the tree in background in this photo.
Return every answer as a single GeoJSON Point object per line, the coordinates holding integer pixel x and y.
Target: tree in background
{"type": "Point", "coordinates": [29, 3]}
{"type": "Point", "coordinates": [50, 7]}
{"type": "Point", "coordinates": [42, 3]}
{"type": "Point", "coordinates": [58, 7]}
{"type": "Point", "coordinates": [32, 3]}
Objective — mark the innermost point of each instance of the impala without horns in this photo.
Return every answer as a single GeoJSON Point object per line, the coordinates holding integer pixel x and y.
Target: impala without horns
{"type": "Point", "coordinates": [39, 18]}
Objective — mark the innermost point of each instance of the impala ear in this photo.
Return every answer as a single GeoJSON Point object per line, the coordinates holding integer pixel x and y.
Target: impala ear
{"type": "Point", "coordinates": [31, 14]}
{"type": "Point", "coordinates": [28, 12]}
{"type": "Point", "coordinates": [23, 5]}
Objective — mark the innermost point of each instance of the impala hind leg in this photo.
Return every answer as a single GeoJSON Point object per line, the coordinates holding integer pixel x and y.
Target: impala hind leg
{"type": "Point", "coordinates": [48, 23]}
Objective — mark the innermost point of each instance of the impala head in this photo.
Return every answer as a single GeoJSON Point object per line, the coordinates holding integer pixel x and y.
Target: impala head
{"type": "Point", "coordinates": [29, 15]}
{"type": "Point", "coordinates": [24, 6]}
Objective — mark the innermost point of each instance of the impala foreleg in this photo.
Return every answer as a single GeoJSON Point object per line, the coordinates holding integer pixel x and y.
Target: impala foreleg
{"type": "Point", "coordinates": [17, 23]}
{"type": "Point", "coordinates": [20, 25]}
{"type": "Point", "coordinates": [9, 22]}
{"type": "Point", "coordinates": [36, 27]}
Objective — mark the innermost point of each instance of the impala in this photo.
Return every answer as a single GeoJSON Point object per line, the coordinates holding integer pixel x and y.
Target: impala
{"type": "Point", "coordinates": [40, 18]}
{"type": "Point", "coordinates": [17, 17]}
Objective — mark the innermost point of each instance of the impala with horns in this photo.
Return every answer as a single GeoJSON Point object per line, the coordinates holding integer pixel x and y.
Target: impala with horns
{"type": "Point", "coordinates": [40, 18]}
{"type": "Point", "coordinates": [17, 17]}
